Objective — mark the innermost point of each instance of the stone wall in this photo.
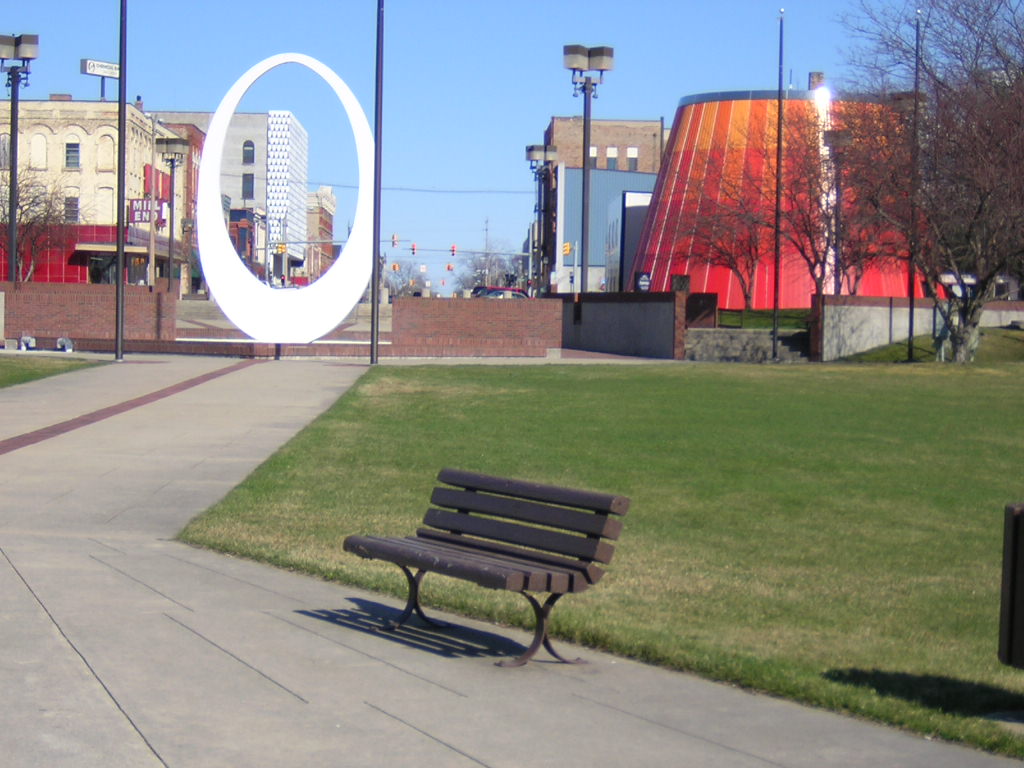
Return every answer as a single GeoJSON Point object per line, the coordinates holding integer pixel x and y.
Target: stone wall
{"type": "Point", "coordinates": [636, 324]}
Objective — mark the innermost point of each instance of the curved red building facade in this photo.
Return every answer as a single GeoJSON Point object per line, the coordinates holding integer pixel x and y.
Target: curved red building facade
{"type": "Point", "coordinates": [722, 148]}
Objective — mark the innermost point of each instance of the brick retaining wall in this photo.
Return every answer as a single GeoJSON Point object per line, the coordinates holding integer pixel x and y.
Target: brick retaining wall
{"type": "Point", "coordinates": [87, 311]}
{"type": "Point", "coordinates": [475, 327]}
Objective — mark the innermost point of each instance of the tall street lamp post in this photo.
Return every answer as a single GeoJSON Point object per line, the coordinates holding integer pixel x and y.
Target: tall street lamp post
{"type": "Point", "coordinates": [541, 157]}
{"type": "Point", "coordinates": [838, 141]}
{"type": "Point", "coordinates": [779, 128]}
{"type": "Point", "coordinates": [173, 151]}
{"type": "Point", "coordinates": [12, 49]}
{"type": "Point", "coordinates": [915, 177]}
{"type": "Point", "coordinates": [581, 61]}
{"type": "Point", "coordinates": [122, 176]}
{"type": "Point", "coordinates": [378, 121]}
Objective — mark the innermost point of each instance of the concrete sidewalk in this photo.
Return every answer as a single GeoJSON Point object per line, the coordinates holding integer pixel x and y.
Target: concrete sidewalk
{"type": "Point", "coordinates": [122, 647]}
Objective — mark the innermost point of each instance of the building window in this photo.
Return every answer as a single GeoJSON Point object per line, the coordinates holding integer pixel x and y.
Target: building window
{"type": "Point", "coordinates": [612, 158]}
{"type": "Point", "coordinates": [633, 158]}
{"type": "Point", "coordinates": [72, 155]}
{"type": "Point", "coordinates": [248, 153]}
{"type": "Point", "coordinates": [248, 186]}
{"type": "Point", "coordinates": [70, 210]}
{"type": "Point", "coordinates": [592, 160]}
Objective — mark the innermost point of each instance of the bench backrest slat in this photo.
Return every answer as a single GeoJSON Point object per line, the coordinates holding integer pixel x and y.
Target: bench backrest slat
{"type": "Point", "coordinates": [522, 535]}
{"type": "Point", "coordinates": [553, 494]}
{"type": "Point", "coordinates": [574, 520]}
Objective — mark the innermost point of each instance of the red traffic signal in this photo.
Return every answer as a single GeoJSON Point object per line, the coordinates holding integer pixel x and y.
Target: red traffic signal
{"type": "Point", "coordinates": [453, 250]}
{"type": "Point", "coordinates": [414, 249]}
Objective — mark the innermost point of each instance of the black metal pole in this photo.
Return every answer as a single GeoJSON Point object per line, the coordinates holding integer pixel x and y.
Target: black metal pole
{"type": "Point", "coordinates": [914, 149]}
{"type": "Point", "coordinates": [170, 234]}
{"type": "Point", "coordinates": [588, 90]}
{"type": "Point", "coordinates": [12, 211]}
{"type": "Point", "coordinates": [778, 202]}
{"type": "Point", "coordinates": [837, 279]}
{"type": "Point", "coordinates": [378, 120]}
{"type": "Point", "coordinates": [122, 152]}
{"type": "Point", "coordinates": [536, 250]}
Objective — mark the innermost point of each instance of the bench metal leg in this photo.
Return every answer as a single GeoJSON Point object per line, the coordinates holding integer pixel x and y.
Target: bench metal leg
{"type": "Point", "coordinates": [412, 603]}
{"type": "Point", "coordinates": [540, 634]}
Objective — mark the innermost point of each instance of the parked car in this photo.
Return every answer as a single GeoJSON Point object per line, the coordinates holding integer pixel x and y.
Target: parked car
{"type": "Point", "coordinates": [488, 291]}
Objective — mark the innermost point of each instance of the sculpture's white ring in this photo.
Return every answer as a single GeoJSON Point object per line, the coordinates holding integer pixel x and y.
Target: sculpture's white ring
{"type": "Point", "coordinates": [295, 315]}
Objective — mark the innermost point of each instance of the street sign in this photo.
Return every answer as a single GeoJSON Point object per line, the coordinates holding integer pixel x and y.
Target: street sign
{"type": "Point", "coordinates": [100, 68]}
{"type": "Point", "coordinates": [142, 210]}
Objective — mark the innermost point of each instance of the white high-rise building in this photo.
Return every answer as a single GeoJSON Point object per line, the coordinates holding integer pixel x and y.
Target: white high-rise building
{"type": "Point", "coordinates": [265, 167]}
{"type": "Point", "coordinates": [287, 176]}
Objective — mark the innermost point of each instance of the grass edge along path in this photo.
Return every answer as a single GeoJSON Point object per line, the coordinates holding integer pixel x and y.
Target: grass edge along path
{"type": "Point", "coordinates": [830, 534]}
{"type": "Point", "coordinates": [23, 368]}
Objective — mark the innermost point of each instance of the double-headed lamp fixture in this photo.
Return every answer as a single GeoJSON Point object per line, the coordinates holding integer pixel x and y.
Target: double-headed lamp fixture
{"type": "Point", "coordinates": [581, 60]}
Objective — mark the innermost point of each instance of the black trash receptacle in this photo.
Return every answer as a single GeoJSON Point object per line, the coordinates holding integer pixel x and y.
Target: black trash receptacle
{"type": "Point", "coordinates": [1011, 613]}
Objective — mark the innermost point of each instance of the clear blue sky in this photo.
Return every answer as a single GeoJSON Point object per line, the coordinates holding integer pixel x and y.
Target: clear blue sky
{"type": "Point", "coordinates": [468, 83]}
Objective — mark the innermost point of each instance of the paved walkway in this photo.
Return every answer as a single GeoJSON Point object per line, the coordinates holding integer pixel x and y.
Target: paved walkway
{"type": "Point", "coordinates": [121, 647]}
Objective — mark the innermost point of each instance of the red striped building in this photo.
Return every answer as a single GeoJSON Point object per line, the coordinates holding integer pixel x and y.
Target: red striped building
{"type": "Point", "coordinates": [723, 144]}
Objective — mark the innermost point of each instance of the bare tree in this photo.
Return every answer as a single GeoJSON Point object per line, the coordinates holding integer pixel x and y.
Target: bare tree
{"type": "Point", "coordinates": [487, 268]}
{"type": "Point", "coordinates": [40, 216]}
{"type": "Point", "coordinates": [969, 140]}
{"type": "Point", "coordinates": [406, 280]}
{"type": "Point", "coordinates": [733, 229]}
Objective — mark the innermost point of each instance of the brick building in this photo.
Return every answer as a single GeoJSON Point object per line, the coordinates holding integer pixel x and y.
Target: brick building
{"type": "Point", "coordinates": [625, 156]}
{"type": "Point", "coordinates": [68, 155]}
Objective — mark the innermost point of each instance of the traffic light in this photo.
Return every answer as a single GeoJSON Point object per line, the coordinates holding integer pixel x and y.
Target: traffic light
{"type": "Point", "coordinates": [394, 266]}
{"type": "Point", "coordinates": [280, 248]}
{"type": "Point", "coordinates": [394, 241]}
{"type": "Point", "coordinates": [453, 250]}
{"type": "Point", "coordinates": [414, 249]}
{"type": "Point", "coordinates": [566, 249]}
{"type": "Point", "coordinates": [449, 267]}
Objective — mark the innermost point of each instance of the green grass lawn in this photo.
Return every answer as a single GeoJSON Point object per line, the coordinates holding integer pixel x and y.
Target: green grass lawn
{"type": "Point", "coordinates": [17, 369]}
{"type": "Point", "coordinates": [828, 533]}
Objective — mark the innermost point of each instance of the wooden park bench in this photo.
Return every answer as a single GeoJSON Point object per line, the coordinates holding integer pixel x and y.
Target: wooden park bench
{"type": "Point", "coordinates": [506, 534]}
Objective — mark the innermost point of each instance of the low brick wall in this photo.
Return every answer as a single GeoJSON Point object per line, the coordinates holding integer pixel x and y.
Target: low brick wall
{"type": "Point", "coordinates": [87, 311]}
{"type": "Point", "coordinates": [422, 327]}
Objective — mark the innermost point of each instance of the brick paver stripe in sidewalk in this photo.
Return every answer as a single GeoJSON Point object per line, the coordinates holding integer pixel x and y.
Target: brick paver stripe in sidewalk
{"type": "Point", "coordinates": [39, 435]}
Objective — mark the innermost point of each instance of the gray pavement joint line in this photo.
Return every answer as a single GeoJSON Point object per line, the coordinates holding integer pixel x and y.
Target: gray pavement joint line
{"type": "Point", "coordinates": [142, 583]}
{"type": "Point", "coordinates": [85, 661]}
{"type": "Point", "coordinates": [240, 660]}
{"type": "Point", "coordinates": [370, 656]}
{"type": "Point", "coordinates": [726, 747]}
{"type": "Point", "coordinates": [104, 544]}
{"type": "Point", "coordinates": [247, 583]}
{"type": "Point", "coordinates": [430, 736]}
{"type": "Point", "coordinates": [39, 435]}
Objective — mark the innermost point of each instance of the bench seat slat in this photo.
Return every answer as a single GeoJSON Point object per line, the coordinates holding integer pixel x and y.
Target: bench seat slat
{"type": "Point", "coordinates": [535, 578]}
{"type": "Point", "coordinates": [570, 497]}
{"type": "Point", "coordinates": [402, 552]}
{"type": "Point", "coordinates": [543, 577]}
{"type": "Point", "coordinates": [591, 573]}
{"type": "Point", "coordinates": [529, 511]}
{"type": "Point", "coordinates": [522, 535]}
{"type": "Point", "coordinates": [446, 557]}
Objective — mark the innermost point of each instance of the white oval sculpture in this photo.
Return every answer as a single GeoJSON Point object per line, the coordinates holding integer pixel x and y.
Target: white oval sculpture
{"type": "Point", "coordinates": [296, 315]}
